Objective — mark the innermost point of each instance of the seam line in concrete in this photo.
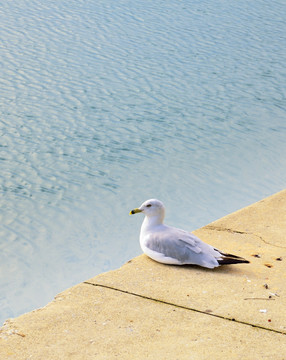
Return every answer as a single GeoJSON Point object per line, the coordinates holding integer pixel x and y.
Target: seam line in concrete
{"type": "Point", "coordinates": [232, 231]}
{"type": "Point", "coordinates": [185, 307]}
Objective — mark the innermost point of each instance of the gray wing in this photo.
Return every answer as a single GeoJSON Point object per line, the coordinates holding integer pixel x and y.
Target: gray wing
{"type": "Point", "coordinates": [181, 245]}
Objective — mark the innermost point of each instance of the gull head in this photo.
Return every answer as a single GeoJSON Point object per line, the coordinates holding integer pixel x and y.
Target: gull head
{"type": "Point", "coordinates": [150, 208]}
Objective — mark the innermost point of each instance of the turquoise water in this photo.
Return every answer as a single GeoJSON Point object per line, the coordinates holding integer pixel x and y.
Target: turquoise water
{"type": "Point", "coordinates": [105, 104]}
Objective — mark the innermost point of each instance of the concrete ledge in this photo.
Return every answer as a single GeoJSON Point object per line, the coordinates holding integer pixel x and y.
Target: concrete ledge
{"type": "Point", "coordinates": [149, 310]}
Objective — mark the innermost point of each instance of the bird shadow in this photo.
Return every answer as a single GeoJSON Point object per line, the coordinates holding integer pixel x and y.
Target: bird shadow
{"type": "Point", "coordinates": [224, 269]}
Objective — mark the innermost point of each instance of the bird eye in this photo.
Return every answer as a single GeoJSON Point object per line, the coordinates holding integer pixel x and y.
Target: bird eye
{"type": "Point", "coordinates": [149, 205]}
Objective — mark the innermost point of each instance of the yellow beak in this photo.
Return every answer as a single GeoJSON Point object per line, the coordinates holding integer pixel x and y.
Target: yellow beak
{"type": "Point", "coordinates": [135, 211]}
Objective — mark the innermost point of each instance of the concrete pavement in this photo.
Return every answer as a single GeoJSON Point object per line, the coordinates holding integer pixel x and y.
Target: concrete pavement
{"type": "Point", "coordinates": [147, 310]}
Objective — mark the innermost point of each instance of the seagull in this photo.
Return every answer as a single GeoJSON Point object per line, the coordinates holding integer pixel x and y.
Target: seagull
{"type": "Point", "coordinates": [170, 245]}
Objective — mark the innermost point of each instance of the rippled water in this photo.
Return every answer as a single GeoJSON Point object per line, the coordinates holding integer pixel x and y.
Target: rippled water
{"type": "Point", "coordinates": [105, 104]}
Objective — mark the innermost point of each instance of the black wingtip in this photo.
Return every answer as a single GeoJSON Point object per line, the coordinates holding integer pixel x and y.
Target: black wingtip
{"type": "Point", "coordinates": [229, 261]}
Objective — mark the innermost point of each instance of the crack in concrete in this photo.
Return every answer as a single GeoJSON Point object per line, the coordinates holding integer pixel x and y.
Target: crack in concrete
{"type": "Point", "coordinates": [232, 231]}
{"type": "Point", "coordinates": [185, 307]}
